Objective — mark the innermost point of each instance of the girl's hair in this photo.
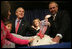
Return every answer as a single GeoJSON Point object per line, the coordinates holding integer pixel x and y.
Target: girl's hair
{"type": "Point", "coordinates": [5, 7]}
{"type": "Point", "coordinates": [7, 22]}
{"type": "Point", "coordinates": [35, 19]}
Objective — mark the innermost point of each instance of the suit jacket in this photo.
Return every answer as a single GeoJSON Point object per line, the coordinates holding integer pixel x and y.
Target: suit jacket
{"type": "Point", "coordinates": [61, 25]}
{"type": "Point", "coordinates": [24, 28]}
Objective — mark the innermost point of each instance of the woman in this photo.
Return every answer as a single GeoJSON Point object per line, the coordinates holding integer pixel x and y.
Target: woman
{"type": "Point", "coordinates": [5, 14]}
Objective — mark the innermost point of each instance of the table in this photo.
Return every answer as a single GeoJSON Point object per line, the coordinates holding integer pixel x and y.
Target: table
{"type": "Point", "coordinates": [59, 45]}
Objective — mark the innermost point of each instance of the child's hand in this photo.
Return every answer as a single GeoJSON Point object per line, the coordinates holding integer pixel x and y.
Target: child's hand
{"type": "Point", "coordinates": [33, 27]}
{"type": "Point", "coordinates": [31, 39]}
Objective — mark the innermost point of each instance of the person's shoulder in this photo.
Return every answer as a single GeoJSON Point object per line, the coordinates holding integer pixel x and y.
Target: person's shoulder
{"type": "Point", "coordinates": [25, 22]}
{"type": "Point", "coordinates": [13, 19]}
{"type": "Point", "coordinates": [62, 11]}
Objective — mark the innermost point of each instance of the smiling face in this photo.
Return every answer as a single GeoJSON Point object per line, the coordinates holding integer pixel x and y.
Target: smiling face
{"type": "Point", "coordinates": [20, 12]}
{"type": "Point", "coordinates": [53, 7]}
{"type": "Point", "coordinates": [9, 26]}
{"type": "Point", "coordinates": [36, 22]}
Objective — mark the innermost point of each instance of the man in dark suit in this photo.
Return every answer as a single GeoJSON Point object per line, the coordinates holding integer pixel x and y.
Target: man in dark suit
{"type": "Point", "coordinates": [20, 26]}
{"type": "Point", "coordinates": [60, 28]}
{"type": "Point", "coordinates": [24, 26]}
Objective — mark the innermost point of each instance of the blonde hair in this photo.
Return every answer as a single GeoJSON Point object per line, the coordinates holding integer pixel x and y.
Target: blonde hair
{"type": "Point", "coordinates": [36, 19]}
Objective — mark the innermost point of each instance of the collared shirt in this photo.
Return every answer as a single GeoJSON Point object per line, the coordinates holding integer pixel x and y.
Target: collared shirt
{"type": "Point", "coordinates": [16, 22]}
{"type": "Point", "coordinates": [54, 16]}
{"type": "Point", "coordinates": [38, 28]}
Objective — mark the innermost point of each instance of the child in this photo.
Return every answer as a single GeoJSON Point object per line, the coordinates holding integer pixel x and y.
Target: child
{"type": "Point", "coordinates": [36, 24]}
{"type": "Point", "coordinates": [8, 25]}
{"type": "Point", "coordinates": [8, 44]}
{"type": "Point", "coordinates": [41, 26]}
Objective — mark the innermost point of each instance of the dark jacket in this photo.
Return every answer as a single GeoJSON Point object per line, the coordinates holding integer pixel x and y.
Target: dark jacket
{"type": "Point", "coordinates": [61, 25]}
{"type": "Point", "coordinates": [24, 28]}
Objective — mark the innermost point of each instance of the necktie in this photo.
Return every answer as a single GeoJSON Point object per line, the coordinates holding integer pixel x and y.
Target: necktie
{"type": "Point", "coordinates": [17, 26]}
{"type": "Point", "coordinates": [54, 17]}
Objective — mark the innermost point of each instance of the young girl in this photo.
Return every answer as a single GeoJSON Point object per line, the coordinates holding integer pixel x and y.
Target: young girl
{"type": "Point", "coordinates": [8, 44]}
{"type": "Point", "coordinates": [36, 24]}
{"type": "Point", "coordinates": [8, 25]}
{"type": "Point", "coordinates": [41, 26]}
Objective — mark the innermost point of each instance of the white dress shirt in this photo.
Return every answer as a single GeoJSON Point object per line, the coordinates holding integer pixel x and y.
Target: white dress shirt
{"type": "Point", "coordinates": [16, 22]}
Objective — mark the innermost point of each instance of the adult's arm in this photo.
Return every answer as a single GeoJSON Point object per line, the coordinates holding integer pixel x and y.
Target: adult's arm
{"type": "Point", "coordinates": [65, 23]}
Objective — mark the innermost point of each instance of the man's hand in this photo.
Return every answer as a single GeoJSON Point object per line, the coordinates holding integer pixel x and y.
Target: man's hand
{"type": "Point", "coordinates": [56, 39]}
